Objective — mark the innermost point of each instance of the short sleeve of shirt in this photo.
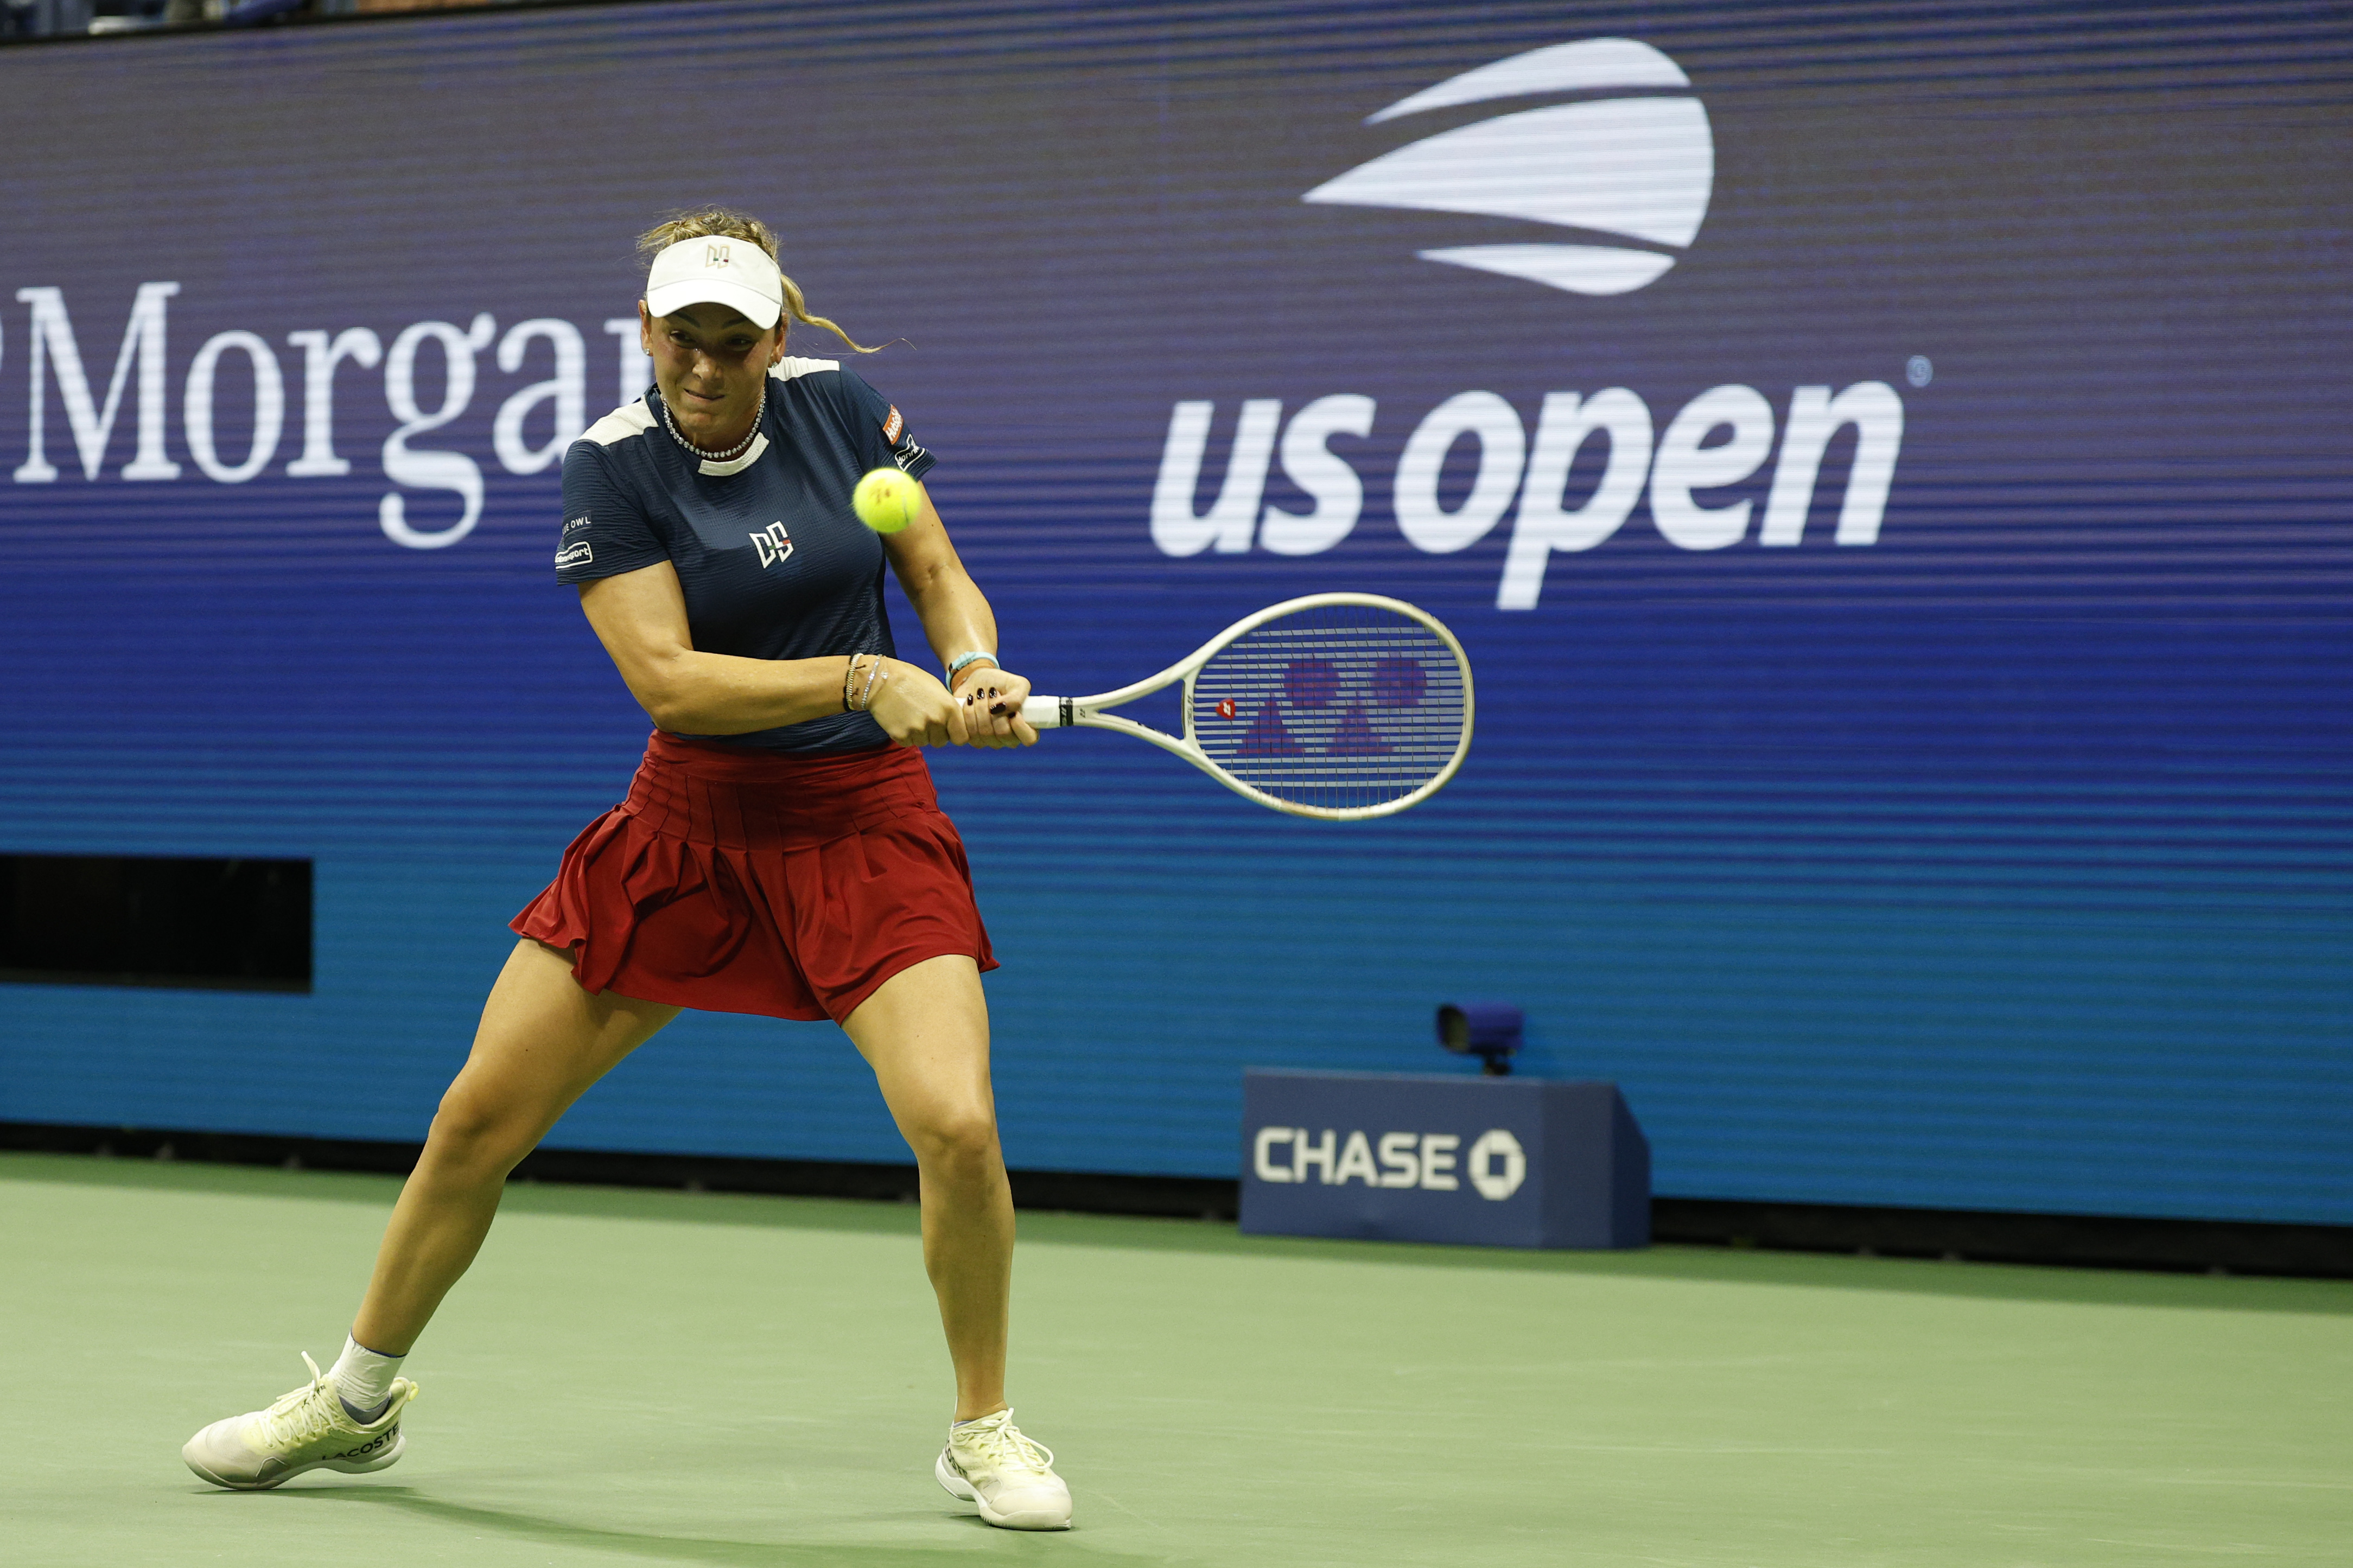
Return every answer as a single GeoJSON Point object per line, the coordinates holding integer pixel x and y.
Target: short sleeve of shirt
{"type": "Point", "coordinates": [605, 530]}
{"type": "Point", "coordinates": [880, 431]}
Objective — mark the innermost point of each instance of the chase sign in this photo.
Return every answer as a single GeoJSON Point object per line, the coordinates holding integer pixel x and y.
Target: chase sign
{"type": "Point", "coordinates": [1493, 1162]}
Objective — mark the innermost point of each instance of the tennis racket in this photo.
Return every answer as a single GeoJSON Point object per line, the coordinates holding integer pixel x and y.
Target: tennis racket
{"type": "Point", "coordinates": [1340, 706]}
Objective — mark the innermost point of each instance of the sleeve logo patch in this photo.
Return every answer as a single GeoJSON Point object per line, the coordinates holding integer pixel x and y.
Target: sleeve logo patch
{"type": "Point", "coordinates": [575, 525]}
{"type": "Point", "coordinates": [893, 428]}
{"type": "Point", "coordinates": [575, 554]}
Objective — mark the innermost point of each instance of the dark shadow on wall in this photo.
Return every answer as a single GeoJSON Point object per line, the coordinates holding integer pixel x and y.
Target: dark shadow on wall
{"type": "Point", "coordinates": [176, 921]}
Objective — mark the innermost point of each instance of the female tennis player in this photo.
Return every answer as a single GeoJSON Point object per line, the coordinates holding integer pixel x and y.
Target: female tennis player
{"type": "Point", "coordinates": [781, 850]}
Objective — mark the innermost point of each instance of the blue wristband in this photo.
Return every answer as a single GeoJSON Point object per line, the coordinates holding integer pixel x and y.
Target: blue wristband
{"type": "Point", "coordinates": [961, 661]}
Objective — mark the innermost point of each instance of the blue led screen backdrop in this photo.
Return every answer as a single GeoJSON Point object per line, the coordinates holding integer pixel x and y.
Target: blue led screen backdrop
{"type": "Point", "coordinates": [1895, 480]}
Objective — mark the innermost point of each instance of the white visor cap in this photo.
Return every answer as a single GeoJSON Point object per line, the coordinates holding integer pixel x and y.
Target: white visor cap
{"type": "Point", "coordinates": [735, 273]}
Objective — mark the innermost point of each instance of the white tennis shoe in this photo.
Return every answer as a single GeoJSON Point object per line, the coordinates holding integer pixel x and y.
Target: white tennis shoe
{"type": "Point", "coordinates": [990, 1463]}
{"type": "Point", "coordinates": [305, 1430]}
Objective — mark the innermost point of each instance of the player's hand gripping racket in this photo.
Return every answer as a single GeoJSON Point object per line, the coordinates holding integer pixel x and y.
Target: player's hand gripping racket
{"type": "Point", "coordinates": [1336, 705]}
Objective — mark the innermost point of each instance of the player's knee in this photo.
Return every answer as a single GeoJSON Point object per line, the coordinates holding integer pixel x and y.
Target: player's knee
{"type": "Point", "coordinates": [958, 1140]}
{"type": "Point", "coordinates": [479, 1135]}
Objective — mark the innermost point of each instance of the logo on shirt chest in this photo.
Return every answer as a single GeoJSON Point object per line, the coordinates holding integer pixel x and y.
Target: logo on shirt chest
{"type": "Point", "coordinates": [772, 543]}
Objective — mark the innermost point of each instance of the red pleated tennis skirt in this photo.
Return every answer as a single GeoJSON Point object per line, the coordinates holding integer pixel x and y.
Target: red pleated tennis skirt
{"type": "Point", "coordinates": [742, 881]}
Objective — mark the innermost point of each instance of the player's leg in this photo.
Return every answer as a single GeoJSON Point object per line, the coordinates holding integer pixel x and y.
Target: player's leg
{"type": "Point", "coordinates": [542, 1042]}
{"type": "Point", "coordinates": [925, 1033]}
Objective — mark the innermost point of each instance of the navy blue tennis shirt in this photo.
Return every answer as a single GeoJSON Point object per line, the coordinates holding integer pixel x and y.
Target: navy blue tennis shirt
{"type": "Point", "coordinates": [774, 563]}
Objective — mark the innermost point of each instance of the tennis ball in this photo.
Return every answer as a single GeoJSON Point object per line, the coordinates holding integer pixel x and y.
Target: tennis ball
{"type": "Point", "coordinates": [887, 500]}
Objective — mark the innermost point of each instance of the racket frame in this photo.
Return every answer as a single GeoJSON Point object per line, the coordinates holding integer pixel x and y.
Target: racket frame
{"type": "Point", "coordinates": [1088, 713]}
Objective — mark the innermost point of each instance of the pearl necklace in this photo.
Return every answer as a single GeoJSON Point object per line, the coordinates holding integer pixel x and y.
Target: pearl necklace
{"type": "Point", "coordinates": [732, 453]}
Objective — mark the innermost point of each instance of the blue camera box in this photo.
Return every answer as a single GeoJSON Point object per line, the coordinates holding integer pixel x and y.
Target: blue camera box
{"type": "Point", "coordinates": [1486, 1162]}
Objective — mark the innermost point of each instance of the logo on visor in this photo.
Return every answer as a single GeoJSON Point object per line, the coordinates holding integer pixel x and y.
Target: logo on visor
{"type": "Point", "coordinates": [1637, 167]}
{"type": "Point", "coordinates": [772, 543]}
{"type": "Point", "coordinates": [715, 256]}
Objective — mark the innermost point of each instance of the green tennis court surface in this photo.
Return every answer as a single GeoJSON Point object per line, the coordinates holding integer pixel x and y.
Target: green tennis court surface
{"type": "Point", "coordinates": [709, 1379]}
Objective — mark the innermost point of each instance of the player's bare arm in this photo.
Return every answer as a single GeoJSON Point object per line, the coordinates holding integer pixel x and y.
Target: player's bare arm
{"type": "Point", "coordinates": [640, 618]}
{"type": "Point", "coordinates": [957, 621]}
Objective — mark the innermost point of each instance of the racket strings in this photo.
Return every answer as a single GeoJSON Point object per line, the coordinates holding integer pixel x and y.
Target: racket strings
{"type": "Point", "coordinates": [1333, 705]}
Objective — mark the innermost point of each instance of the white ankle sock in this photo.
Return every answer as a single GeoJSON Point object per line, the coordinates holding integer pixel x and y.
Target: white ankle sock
{"type": "Point", "coordinates": [363, 1378]}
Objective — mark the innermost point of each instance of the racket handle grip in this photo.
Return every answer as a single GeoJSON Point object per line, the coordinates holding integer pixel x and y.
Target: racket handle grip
{"type": "Point", "coordinates": [1046, 712]}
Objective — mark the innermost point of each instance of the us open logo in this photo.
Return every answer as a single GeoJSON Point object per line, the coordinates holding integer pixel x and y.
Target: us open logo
{"type": "Point", "coordinates": [1637, 167]}
{"type": "Point", "coordinates": [1627, 168]}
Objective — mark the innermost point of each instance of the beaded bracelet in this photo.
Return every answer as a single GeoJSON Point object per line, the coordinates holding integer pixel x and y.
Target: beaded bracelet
{"type": "Point", "coordinates": [866, 695]}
